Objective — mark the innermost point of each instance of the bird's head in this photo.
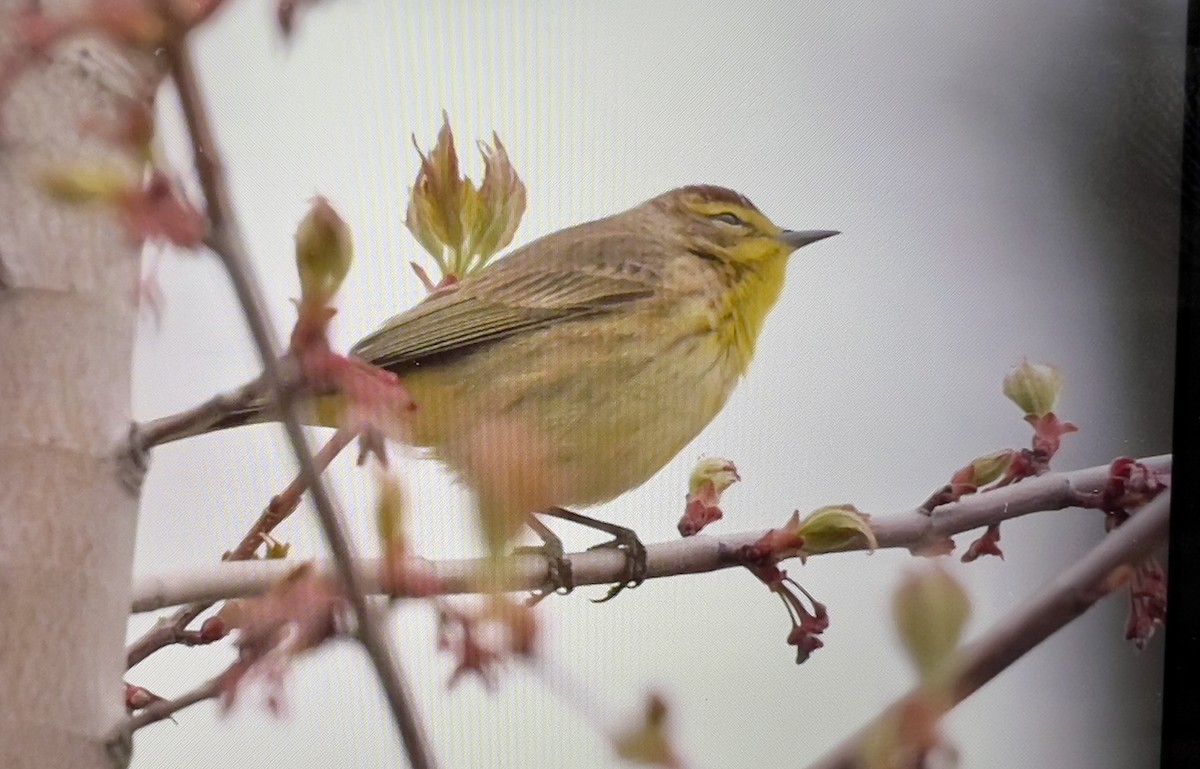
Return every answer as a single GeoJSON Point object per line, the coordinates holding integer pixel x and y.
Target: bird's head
{"type": "Point", "coordinates": [722, 226]}
{"type": "Point", "coordinates": [718, 223]}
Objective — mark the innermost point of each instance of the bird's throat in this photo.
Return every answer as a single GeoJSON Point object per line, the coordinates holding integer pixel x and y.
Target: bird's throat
{"type": "Point", "coordinates": [750, 298]}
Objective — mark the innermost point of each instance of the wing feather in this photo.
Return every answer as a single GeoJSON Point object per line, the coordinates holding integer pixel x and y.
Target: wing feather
{"type": "Point", "coordinates": [512, 296]}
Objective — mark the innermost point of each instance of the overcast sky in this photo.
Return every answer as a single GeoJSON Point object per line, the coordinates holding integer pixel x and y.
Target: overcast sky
{"type": "Point", "coordinates": [1005, 177]}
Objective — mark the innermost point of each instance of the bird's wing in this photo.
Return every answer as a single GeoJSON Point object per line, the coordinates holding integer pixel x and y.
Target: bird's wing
{"type": "Point", "coordinates": [504, 300]}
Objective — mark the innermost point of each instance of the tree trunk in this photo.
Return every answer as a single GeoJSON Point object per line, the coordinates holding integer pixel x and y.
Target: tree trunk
{"type": "Point", "coordinates": [68, 504]}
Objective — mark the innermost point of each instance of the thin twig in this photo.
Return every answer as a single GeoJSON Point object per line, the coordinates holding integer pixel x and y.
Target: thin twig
{"type": "Point", "coordinates": [1069, 595]}
{"type": "Point", "coordinates": [226, 242]}
{"type": "Point", "coordinates": [199, 419]}
{"type": "Point", "coordinates": [167, 631]}
{"type": "Point", "coordinates": [286, 502]}
{"type": "Point", "coordinates": [157, 711]}
{"type": "Point", "coordinates": [173, 630]}
{"type": "Point", "coordinates": [911, 529]}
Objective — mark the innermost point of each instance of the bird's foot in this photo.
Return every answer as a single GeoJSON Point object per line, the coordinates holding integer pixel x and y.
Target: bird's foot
{"type": "Point", "coordinates": [559, 577]}
{"type": "Point", "coordinates": [626, 541]}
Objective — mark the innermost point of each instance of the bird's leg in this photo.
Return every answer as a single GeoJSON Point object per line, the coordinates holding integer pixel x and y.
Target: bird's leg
{"type": "Point", "coordinates": [558, 566]}
{"type": "Point", "coordinates": [625, 540]}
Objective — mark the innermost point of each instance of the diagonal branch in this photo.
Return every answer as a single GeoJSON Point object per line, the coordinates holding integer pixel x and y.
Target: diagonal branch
{"type": "Point", "coordinates": [1069, 595]}
{"type": "Point", "coordinates": [226, 242]}
{"type": "Point", "coordinates": [911, 529]}
{"type": "Point", "coordinates": [198, 419]}
{"type": "Point", "coordinates": [157, 711]}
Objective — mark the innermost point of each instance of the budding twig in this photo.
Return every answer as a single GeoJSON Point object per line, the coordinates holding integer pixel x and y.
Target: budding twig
{"type": "Point", "coordinates": [227, 243]}
{"type": "Point", "coordinates": [1069, 595]}
{"type": "Point", "coordinates": [198, 419]}
{"type": "Point", "coordinates": [173, 629]}
{"type": "Point", "coordinates": [912, 529]}
{"type": "Point", "coordinates": [166, 708]}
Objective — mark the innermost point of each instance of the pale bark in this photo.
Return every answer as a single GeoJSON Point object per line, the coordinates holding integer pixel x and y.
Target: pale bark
{"type": "Point", "coordinates": [68, 506]}
{"type": "Point", "coordinates": [911, 529]}
{"type": "Point", "coordinates": [1064, 599]}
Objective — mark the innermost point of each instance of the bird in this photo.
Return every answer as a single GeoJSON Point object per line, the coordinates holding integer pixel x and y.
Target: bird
{"type": "Point", "coordinates": [573, 369]}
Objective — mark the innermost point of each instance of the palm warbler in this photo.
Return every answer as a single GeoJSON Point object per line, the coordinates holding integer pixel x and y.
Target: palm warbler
{"type": "Point", "coordinates": [573, 369]}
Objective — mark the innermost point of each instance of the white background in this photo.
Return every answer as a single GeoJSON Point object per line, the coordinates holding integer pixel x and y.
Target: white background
{"type": "Point", "coordinates": [1005, 175]}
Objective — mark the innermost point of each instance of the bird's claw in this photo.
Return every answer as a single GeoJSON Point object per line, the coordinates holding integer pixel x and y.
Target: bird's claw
{"type": "Point", "coordinates": [634, 551]}
{"type": "Point", "coordinates": [559, 576]}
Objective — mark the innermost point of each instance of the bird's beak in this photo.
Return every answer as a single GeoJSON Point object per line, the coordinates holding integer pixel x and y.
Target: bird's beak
{"type": "Point", "coordinates": [801, 238]}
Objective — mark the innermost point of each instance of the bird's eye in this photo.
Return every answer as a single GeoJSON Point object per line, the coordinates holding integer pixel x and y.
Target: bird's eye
{"type": "Point", "coordinates": [729, 218]}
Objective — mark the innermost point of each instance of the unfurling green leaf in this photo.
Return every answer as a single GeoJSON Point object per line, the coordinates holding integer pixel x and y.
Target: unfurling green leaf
{"type": "Point", "coordinates": [1034, 387]}
{"type": "Point", "coordinates": [80, 185]}
{"type": "Point", "coordinates": [323, 253]}
{"type": "Point", "coordinates": [461, 225]}
{"type": "Point", "coordinates": [990, 467]}
{"type": "Point", "coordinates": [931, 609]}
{"type": "Point", "coordinates": [836, 527]}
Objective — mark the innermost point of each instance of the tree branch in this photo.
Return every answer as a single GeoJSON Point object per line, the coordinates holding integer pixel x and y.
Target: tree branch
{"type": "Point", "coordinates": [173, 629]}
{"type": "Point", "coordinates": [1068, 596]}
{"type": "Point", "coordinates": [157, 711]}
{"type": "Point", "coordinates": [198, 419]}
{"type": "Point", "coordinates": [911, 529]}
{"type": "Point", "coordinates": [225, 240]}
